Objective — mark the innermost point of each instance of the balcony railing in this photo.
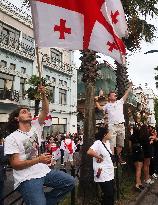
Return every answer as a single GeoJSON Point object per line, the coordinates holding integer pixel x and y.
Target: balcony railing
{"type": "Point", "coordinates": [11, 95]}
{"type": "Point", "coordinates": [13, 72]}
{"type": "Point", "coordinates": [57, 64]}
{"type": "Point", "coordinates": [18, 13]}
{"type": "Point", "coordinates": [17, 47]}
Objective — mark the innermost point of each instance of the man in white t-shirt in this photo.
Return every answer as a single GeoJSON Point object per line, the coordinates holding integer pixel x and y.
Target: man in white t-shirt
{"type": "Point", "coordinates": [114, 110]}
{"type": "Point", "coordinates": [30, 168]}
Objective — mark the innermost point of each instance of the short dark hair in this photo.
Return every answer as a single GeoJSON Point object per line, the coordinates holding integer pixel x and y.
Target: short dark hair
{"type": "Point", "coordinates": [13, 124]}
{"type": "Point", "coordinates": [102, 131]}
{"type": "Point", "coordinates": [111, 91]}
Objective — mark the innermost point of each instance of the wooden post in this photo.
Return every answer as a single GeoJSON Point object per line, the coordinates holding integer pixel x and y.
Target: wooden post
{"type": "Point", "coordinates": [38, 62]}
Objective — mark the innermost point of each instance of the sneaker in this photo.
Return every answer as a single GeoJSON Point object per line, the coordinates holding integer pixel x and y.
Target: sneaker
{"type": "Point", "coordinates": [154, 176]}
{"type": "Point", "coordinates": [149, 182]}
{"type": "Point", "coordinates": [139, 188]}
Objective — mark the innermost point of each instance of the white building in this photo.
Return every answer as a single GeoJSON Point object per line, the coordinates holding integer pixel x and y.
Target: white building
{"type": "Point", "coordinates": [18, 64]}
{"type": "Point", "coordinates": [145, 98]}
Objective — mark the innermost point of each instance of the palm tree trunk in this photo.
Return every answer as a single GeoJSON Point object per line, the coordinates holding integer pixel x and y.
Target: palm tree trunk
{"type": "Point", "coordinates": [87, 188]}
{"type": "Point", "coordinates": [87, 192]}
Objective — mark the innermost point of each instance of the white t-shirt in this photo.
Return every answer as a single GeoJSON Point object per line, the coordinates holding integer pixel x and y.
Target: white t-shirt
{"type": "Point", "coordinates": [107, 167]}
{"type": "Point", "coordinates": [26, 145]}
{"type": "Point", "coordinates": [115, 112]}
{"type": "Point", "coordinates": [65, 145]}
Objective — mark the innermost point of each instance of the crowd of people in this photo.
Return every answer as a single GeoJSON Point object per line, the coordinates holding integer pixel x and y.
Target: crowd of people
{"type": "Point", "coordinates": [33, 159]}
{"type": "Point", "coordinates": [64, 148]}
{"type": "Point", "coordinates": [143, 144]}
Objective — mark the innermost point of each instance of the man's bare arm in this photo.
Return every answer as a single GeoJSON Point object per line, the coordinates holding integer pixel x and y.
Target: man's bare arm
{"type": "Point", "coordinates": [127, 92]}
{"type": "Point", "coordinates": [97, 104]}
{"type": "Point", "coordinates": [45, 105]}
{"type": "Point", "coordinates": [19, 164]}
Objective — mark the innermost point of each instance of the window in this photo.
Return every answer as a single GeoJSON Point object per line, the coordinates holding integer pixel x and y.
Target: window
{"type": "Point", "coordinates": [23, 70]}
{"type": "Point", "coordinates": [62, 96]}
{"type": "Point", "coordinates": [52, 94]}
{"type": "Point", "coordinates": [12, 66]}
{"type": "Point", "coordinates": [3, 63]}
{"type": "Point", "coordinates": [65, 83]}
{"type": "Point", "coordinates": [56, 55]}
{"type": "Point", "coordinates": [22, 87]}
{"type": "Point", "coordinates": [47, 77]}
{"type": "Point", "coordinates": [9, 35]}
{"type": "Point", "coordinates": [27, 44]}
{"type": "Point", "coordinates": [6, 85]}
{"type": "Point", "coordinates": [60, 82]}
{"type": "Point", "coordinates": [53, 80]}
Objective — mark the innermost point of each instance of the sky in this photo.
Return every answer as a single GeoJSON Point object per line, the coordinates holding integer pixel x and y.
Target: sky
{"type": "Point", "coordinates": [140, 66]}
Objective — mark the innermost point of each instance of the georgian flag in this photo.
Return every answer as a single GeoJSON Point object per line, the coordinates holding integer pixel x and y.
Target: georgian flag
{"type": "Point", "coordinates": [76, 24]}
{"type": "Point", "coordinates": [115, 13]}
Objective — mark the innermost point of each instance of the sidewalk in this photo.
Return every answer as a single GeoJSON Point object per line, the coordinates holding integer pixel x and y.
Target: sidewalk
{"type": "Point", "coordinates": [149, 196]}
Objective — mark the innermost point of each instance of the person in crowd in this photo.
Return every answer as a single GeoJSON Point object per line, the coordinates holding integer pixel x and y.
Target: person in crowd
{"type": "Point", "coordinates": [154, 160]}
{"type": "Point", "coordinates": [3, 163]}
{"type": "Point", "coordinates": [69, 148]}
{"type": "Point", "coordinates": [30, 169]}
{"type": "Point", "coordinates": [137, 151]}
{"type": "Point", "coordinates": [54, 149]}
{"type": "Point", "coordinates": [146, 141]}
{"type": "Point", "coordinates": [114, 110]}
{"type": "Point", "coordinates": [103, 165]}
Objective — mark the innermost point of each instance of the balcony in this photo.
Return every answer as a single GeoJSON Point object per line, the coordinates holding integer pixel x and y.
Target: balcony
{"type": "Point", "coordinates": [13, 72]}
{"type": "Point", "coordinates": [15, 12]}
{"type": "Point", "coordinates": [56, 64]}
{"type": "Point", "coordinates": [9, 96]}
{"type": "Point", "coordinates": [15, 46]}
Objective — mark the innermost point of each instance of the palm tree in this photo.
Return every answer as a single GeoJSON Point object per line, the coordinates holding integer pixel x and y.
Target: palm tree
{"type": "Point", "coordinates": [87, 190]}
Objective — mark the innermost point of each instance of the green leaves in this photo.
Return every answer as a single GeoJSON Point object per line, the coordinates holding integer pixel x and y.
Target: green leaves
{"type": "Point", "coordinates": [34, 82]}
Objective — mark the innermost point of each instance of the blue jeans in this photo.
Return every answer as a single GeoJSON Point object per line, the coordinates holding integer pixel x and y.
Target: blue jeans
{"type": "Point", "coordinates": [1, 191]}
{"type": "Point", "coordinates": [33, 193]}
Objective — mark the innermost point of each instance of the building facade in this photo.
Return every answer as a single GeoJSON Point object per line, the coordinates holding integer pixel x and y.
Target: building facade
{"type": "Point", "coordinates": [145, 97]}
{"type": "Point", "coordinates": [18, 62]}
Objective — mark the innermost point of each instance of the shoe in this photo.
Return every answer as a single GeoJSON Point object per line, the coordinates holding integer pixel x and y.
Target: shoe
{"type": "Point", "coordinates": [154, 176]}
{"type": "Point", "coordinates": [149, 182]}
{"type": "Point", "coordinates": [139, 188]}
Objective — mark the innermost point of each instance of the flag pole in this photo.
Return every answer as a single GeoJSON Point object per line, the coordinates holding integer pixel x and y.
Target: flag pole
{"type": "Point", "coordinates": [38, 62]}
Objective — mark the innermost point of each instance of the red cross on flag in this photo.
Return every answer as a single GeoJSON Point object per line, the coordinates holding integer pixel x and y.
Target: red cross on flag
{"type": "Point", "coordinates": [115, 14]}
{"type": "Point", "coordinates": [78, 25]}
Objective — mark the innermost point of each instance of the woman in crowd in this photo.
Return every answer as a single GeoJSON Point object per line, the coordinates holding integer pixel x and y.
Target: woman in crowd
{"type": "Point", "coordinates": [103, 165]}
{"type": "Point", "coordinates": [141, 151]}
{"type": "Point", "coordinates": [137, 151]}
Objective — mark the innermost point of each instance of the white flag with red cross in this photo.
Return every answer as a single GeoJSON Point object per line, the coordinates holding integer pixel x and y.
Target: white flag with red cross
{"type": "Point", "coordinates": [115, 14]}
{"type": "Point", "coordinates": [76, 25]}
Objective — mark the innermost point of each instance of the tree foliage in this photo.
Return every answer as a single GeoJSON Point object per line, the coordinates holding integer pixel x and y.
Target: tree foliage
{"type": "Point", "coordinates": [137, 12]}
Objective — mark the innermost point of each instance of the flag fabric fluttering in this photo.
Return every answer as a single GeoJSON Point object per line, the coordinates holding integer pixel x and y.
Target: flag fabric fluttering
{"type": "Point", "coordinates": [97, 25]}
